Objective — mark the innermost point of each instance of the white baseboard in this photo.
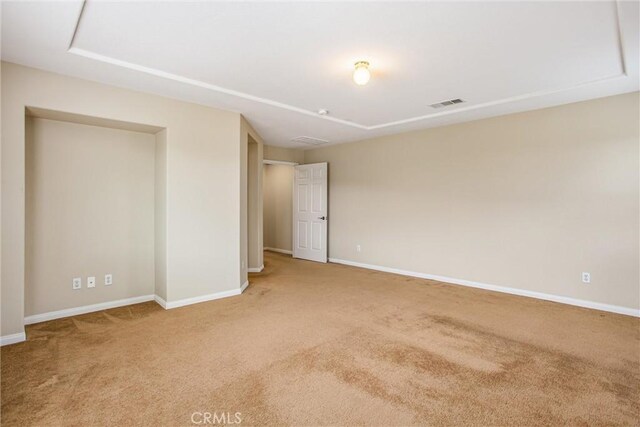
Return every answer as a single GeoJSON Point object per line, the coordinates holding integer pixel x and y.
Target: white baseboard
{"type": "Point", "coordinates": [203, 298]}
{"type": "Point", "coordinates": [282, 251]}
{"type": "Point", "coordinates": [521, 292]}
{"type": "Point", "coordinates": [37, 318]}
{"type": "Point", "coordinates": [195, 300]}
{"type": "Point", "coordinates": [256, 270]}
{"type": "Point", "coordinates": [160, 301]}
{"type": "Point", "coordinates": [12, 339]}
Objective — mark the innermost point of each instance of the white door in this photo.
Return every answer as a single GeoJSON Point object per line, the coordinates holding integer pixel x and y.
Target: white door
{"type": "Point", "coordinates": [310, 212]}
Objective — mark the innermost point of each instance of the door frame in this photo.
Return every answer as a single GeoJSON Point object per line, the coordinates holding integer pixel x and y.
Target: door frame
{"type": "Point", "coordinates": [293, 165]}
{"type": "Point", "coordinates": [278, 162]}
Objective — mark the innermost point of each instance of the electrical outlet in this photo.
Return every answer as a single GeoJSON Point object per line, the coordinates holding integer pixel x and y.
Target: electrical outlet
{"type": "Point", "coordinates": [358, 248]}
{"type": "Point", "coordinates": [586, 277]}
{"type": "Point", "coordinates": [91, 282]}
{"type": "Point", "coordinates": [108, 279]}
{"type": "Point", "coordinates": [77, 283]}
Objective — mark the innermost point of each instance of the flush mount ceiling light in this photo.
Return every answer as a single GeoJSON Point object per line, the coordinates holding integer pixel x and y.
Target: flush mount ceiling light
{"type": "Point", "coordinates": [361, 74]}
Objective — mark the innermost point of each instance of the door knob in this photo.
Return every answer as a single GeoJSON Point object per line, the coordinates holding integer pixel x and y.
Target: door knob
{"type": "Point", "coordinates": [322, 218]}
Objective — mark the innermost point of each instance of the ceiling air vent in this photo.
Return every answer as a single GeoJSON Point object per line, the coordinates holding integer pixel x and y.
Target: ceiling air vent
{"type": "Point", "coordinates": [309, 140]}
{"type": "Point", "coordinates": [447, 103]}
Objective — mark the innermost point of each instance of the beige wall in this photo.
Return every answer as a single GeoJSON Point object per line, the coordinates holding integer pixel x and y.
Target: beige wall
{"type": "Point", "coordinates": [254, 206]}
{"type": "Point", "coordinates": [160, 225]}
{"type": "Point", "coordinates": [283, 154]}
{"type": "Point", "coordinates": [89, 212]}
{"type": "Point", "coordinates": [278, 206]}
{"type": "Point", "coordinates": [250, 185]}
{"type": "Point", "coordinates": [526, 201]}
{"type": "Point", "coordinates": [203, 170]}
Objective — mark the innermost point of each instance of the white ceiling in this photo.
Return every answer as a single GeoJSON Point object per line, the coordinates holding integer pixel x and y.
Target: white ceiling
{"type": "Point", "coordinates": [279, 63]}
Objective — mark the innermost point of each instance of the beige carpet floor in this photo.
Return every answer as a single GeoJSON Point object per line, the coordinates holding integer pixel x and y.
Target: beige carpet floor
{"type": "Point", "coordinates": [311, 344]}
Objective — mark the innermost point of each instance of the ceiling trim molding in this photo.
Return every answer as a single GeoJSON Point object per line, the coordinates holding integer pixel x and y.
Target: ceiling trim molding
{"type": "Point", "coordinates": [208, 86]}
{"type": "Point", "coordinates": [203, 85]}
{"type": "Point", "coordinates": [75, 29]}
{"type": "Point", "coordinates": [498, 102]}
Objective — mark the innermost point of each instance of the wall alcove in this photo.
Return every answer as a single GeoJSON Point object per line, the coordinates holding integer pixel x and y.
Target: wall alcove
{"type": "Point", "coordinates": [94, 205]}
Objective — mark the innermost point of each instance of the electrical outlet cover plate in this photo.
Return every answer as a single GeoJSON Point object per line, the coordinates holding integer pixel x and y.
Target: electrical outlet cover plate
{"type": "Point", "coordinates": [108, 279]}
{"type": "Point", "coordinates": [76, 283]}
{"type": "Point", "coordinates": [91, 282]}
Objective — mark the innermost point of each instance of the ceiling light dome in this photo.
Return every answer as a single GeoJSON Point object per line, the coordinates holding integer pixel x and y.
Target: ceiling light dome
{"type": "Point", "coordinates": [361, 74]}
